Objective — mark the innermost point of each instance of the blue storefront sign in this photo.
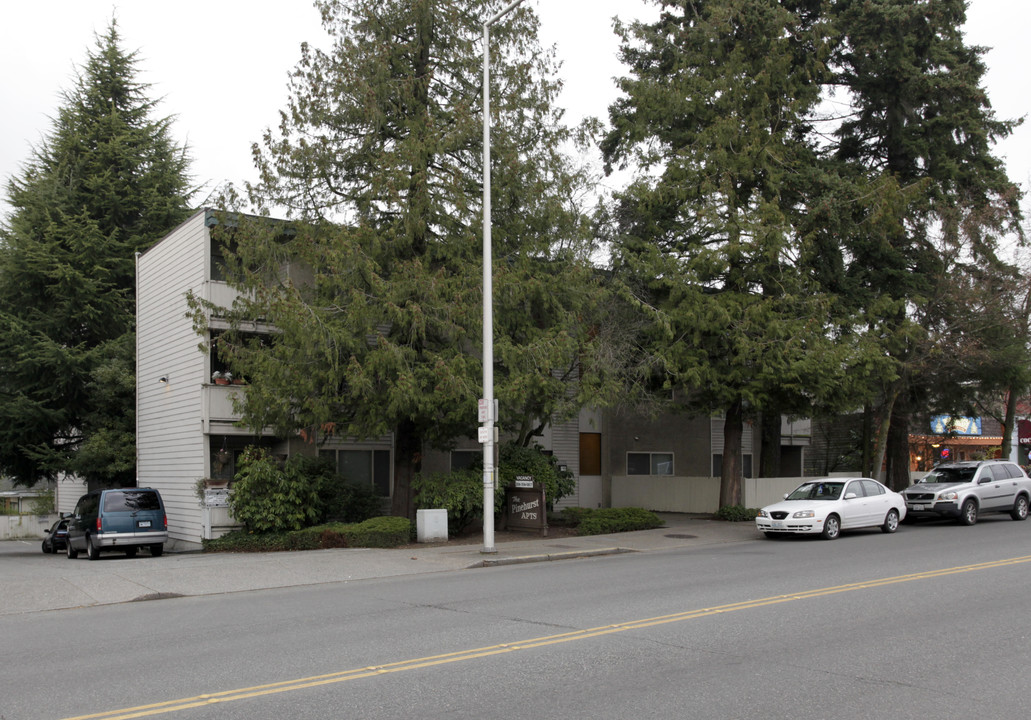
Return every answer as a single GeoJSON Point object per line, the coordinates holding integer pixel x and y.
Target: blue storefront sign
{"type": "Point", "coordinates": [949, 425]}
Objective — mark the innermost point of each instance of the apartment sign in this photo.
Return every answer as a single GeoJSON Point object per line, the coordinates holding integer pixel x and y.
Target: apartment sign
{"type": "Point", "coordinates": [525, 506]}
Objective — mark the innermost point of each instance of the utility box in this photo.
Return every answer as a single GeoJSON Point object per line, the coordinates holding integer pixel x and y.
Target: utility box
{"type": "Point", "coordinates": [525, 506]}
{"type": "Point", "coordinates": [431, 525]}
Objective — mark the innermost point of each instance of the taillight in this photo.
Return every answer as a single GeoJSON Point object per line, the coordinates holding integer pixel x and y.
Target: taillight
{"type": "Point", "coordinates": [99, 528]}
{"type": "Point", "coordinates": [164, 519]}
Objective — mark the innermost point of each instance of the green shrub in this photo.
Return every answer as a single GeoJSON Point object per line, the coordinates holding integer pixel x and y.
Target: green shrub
{"type": "Point", "coordinates": [380, 532]}
{"type": "Point", "coordinates": [344, 501]}
{"type": "Point", "coordinates": [735, 513]}
{"type": "Point", "coordinates": [459, 492]}
{"type": "Point", "coordinates": [268, 498]}
{"type": "Point", "coordinates": [515, 460]}
{"type": "Point", "coordinates": [612, 520]}
{"type": "Point", "coordinates": [573, 515]}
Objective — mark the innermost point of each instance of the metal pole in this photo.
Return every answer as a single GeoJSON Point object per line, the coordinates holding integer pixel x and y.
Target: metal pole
{"type": "Point", "coordinates": [488, 313]}
{"type": "Point", "coordinates": [488, 302]}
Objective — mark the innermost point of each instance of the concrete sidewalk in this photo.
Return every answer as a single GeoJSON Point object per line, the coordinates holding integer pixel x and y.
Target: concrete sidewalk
{"type": "Point", "coordinates": [31, 581]}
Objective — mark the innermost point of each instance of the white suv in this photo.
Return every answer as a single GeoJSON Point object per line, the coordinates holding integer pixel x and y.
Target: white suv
{"type": "Point", "coordinates": [964, 489]}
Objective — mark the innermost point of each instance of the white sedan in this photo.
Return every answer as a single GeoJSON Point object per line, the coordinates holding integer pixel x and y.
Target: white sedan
{"type": "Point", "coordinates": [826, 506]}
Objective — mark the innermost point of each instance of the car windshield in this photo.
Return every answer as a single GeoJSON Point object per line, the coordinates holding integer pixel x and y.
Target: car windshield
{"type": "Point", "coordinates": [817, 491]}
{"type": "Point", "coordinates": [950, 475]}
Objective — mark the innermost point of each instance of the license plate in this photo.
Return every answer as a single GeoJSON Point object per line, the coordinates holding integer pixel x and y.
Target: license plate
{"type": "Point", "coordinates": [918, 508]}
{"type": "Point", "coordinates": [143, 523]}
{"type": "Point", "coordinates": [778, 524]}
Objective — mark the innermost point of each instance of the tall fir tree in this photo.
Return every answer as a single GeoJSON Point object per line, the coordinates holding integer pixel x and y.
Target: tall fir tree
{"type": "Point", "coordinates": [708, 237]}
{"type": "Point", "coordinates": [378, 158]}
{"type": "Point", "coordinates": [928, 200]}
{"type": "Point", "coordinates": [104, 184]}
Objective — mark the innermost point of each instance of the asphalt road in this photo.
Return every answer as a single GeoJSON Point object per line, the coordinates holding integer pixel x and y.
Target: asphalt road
{"type": "Point", "coordinates": [929, 622]}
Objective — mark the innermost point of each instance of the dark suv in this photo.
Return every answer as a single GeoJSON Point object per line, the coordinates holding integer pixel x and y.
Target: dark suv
{"type": "Point", "coordinates": [124, 520]}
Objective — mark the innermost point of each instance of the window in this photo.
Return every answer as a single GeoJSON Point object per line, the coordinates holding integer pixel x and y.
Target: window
{"type": "Point", "coordinates": [465, 459]}
{"type": "Point", "coordinates": [717, 465]}
{"type": "Point", "coordinates": [368, 468]}
{"type": "Point", "coordinates": [649, 463]}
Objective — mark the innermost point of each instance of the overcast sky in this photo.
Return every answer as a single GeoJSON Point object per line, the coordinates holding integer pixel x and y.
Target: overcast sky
{"type": "Point", "coordinates": [220, 67]}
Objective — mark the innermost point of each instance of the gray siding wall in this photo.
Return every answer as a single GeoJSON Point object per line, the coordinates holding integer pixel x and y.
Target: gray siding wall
{"type": "Point", "coordinates": [171, 452]}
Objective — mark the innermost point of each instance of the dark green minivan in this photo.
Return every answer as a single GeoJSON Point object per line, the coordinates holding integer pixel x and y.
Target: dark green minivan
{"type": "Point", "coordinates": [123, 520]}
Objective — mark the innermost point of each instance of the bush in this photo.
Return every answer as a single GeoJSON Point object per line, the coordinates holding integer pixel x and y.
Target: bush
{"type": "Point", "coordinates": [611, 520]}
{"type": "Point", "coordinates": [343, 501]}
{"type": "Point", "coordinates": [459, 492]}
{"type": "Point", "coordinates": [268, 498]}
{"type": "Point", "coordinates": [735, 513]}
{"type": "Point", "coordinates": [380, 532]}
{"type": "Point", "coordinates": [515, 460]}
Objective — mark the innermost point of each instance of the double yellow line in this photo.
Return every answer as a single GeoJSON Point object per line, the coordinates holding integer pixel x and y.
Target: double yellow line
{"type": "Point", "coordinates": [464, 655]}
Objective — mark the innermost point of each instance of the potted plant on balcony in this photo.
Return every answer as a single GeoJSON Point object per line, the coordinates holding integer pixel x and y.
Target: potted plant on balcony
{"type": "Point", "coordinates": [222, 378]}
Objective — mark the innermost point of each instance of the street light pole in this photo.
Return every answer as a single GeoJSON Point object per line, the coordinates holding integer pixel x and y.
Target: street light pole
{"type": "Point", "coordinates": [488, 413]}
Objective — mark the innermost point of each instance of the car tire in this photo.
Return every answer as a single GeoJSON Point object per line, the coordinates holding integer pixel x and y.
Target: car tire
{"type": "Point", "coordinates": [156, 549]}
{"type": "Point", "coordinates": [1020, 508]}
{"type": "Point", "coordinates": [72, 552]}
{"type": "Point", "coordinates": [91, 549]}
{"type": "Point", "coordinates": [891, 521]}
{"type": "Point", "coordinates": [968, 512]}
{"type": "Point", "coordinates": [831, 527]}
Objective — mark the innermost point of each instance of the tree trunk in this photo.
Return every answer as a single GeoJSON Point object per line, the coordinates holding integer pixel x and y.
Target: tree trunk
{"type": "Point", "coordinates": [1009, 424]}
{"type": "Point", "coordinates": [730, 478]}
{"type": "Point", "coordinates": [769, 464]}
{"type": "Point", "coordinates": [898, 448]}
{"type": "Point", "coordinates": [868, 442]}
{"type": "Point", "coordinates": [407, 462]}
{"type": "Point", "coordinates": [882, 431]}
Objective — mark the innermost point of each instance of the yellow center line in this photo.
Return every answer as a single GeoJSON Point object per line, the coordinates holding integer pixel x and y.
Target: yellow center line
{"type": "Point", "coordinates": [465, 655]}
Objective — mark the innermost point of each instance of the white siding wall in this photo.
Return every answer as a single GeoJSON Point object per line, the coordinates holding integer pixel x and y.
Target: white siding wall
{"type": "Point", "coordinates": [171, 448]}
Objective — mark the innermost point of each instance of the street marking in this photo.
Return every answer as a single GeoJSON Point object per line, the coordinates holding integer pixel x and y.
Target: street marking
{"type": "Point", "coordinates": [464, 655]}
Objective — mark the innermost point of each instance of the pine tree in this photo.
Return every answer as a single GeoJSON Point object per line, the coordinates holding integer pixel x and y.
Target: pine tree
{"type": "Point", "coordinates": [104, 184]}
{"type": "Point", "coordinates": [378, 159]}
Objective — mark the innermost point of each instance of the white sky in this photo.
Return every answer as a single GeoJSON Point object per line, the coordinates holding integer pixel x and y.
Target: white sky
{"type": "Point", "coordinates": [221, 65]}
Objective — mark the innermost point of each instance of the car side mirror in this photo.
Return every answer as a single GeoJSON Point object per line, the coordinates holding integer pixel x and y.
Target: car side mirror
{"type": "Point", "coordinates": [850, 496]}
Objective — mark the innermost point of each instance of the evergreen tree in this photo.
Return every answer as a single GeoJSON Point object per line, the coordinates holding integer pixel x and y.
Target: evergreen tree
{"type": "Point", "coordinates": [104, 184]}
{"type": "Point", "coordinates": [928, 200]}
{"type": "Point", "coordinates": [378, 159]}
{"type": "Point", "coordinates": [708, 236]}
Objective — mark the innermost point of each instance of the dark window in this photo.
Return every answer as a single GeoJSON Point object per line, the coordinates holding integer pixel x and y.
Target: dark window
{"type": "Point", "coordinates": [465, 459]}
{"type": "Point", "coordinates": [872, 488]}
{"type": "Point", "coordinates": [649, 463]}
{"type": "Point", "coordinates": [131, 501]}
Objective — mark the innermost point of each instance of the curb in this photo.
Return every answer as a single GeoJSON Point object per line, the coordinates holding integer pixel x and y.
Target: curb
{"type": "Point", "coordinates": [495, 562]}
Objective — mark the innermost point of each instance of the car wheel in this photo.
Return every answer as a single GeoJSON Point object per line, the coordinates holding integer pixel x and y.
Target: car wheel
{"type": "Point", "coordinates": [1020, 508]}
{"type": "Point", "coordinates": [157, 549]}
{"type": "Point", "coordinates": [831, 527]}
{"type": "Point", "coordinates": [47, 548]}
{"type": "Point", "coordinates": [91, 549]}
{"type": "Point", "coordinates": [891, 522]}
{"type": "Point", "coordinates": [968, 513]}
{"type": "Point", "coordinates": [72, 552]}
